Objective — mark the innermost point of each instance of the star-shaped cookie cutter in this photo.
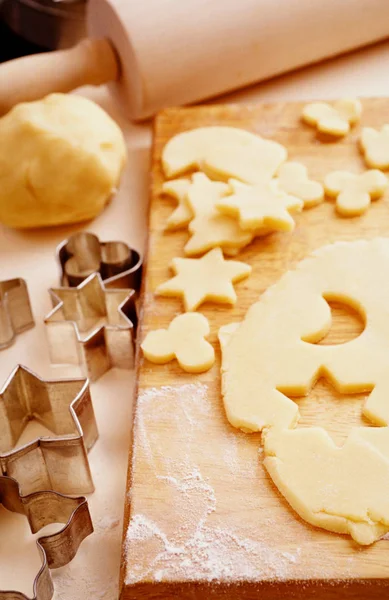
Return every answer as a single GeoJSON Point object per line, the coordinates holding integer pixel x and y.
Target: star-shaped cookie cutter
{"type": "Point", "coordinates": [84, 254]}
{"type": "Point", "coordinates": [15, 310]}
{"type": "Point", "coordinates": [58, 549]}
{"type": "Point", "coordinates": [57, 462]}
{"type": "Point", "coordinates": [92, 327]}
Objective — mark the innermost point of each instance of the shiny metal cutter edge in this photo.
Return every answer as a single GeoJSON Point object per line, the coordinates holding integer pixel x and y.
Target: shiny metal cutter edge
{"type": "Point", "coordinates": [122, 269]}
{"type": "Point", "coordinates": [49, 463]}
{"type": "Point", "coordinates": [106, 346]}
{"type": "Point", "coordinates": [15, 311]}
{"type": "Point", "coordinates": [58, 549]}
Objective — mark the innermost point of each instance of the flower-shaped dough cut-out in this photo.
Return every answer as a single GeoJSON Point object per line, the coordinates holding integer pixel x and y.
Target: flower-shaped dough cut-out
{"type": "Point", "coordinates": [375, 147]}
{"type": "Point", "coordinates": [182, 214]}
{"type": "Point", "coordinates": [222, 153]}
{"type": "Point", "coordinates": [333, 119]}
{"type": "Point", "coordinates": [292, 178]}
{"type": "Point", "coordinates": [209, 228]}
{"type": "Point", "coordinates": [260, 207]}
{"type": "Point", "coordinates": [353, 192]}
{"type": "Point", "coordinates": [210, 277]}
{"type": "Point", "coordinates": [184, 340]}
{"type": "Point", "coordinates": [267, 360]}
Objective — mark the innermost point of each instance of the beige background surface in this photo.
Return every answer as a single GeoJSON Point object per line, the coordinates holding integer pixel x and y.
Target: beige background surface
{"type": "Point", "coordinates": [94, 572]}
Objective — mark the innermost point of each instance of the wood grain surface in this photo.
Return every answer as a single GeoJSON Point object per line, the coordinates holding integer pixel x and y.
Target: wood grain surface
{"type": "Point", "coordinates": [203, 517]}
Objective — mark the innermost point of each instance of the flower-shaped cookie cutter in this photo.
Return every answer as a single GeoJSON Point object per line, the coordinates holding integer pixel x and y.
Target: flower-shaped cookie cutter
{"type": "Point", "coordinates": [15, 311]}
{"type": "Point", "coordinates": [92, 327]}
{"type": "Point", "coordinates": [58, 462]}
{"type": "Point", "coordinates": [84, 254]}
{"type": "Point", "coordinates": [58, 549]}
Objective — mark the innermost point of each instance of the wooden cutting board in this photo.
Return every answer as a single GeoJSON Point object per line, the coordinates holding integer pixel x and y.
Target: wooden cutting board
{"type": "Point", "coordinates": [203, 519]}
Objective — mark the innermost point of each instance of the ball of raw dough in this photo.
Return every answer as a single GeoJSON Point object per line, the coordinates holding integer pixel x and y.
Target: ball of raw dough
{"type": "Point", "coordinates": [60, 160]}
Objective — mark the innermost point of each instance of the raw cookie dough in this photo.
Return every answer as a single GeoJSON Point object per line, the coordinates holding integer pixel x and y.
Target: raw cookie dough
{"type": "Point", "coordinates": [343, 489]}
{"type": "Point", "coordinates": [333, 119]}
{"type": "Point", "coordinates": [375, 147]}
{"type": "Point", "coordinates": [210, 229]}
{"type": "Point", "coordinates": [207, 278]}
{"type": "Point", "coordinates": [292, 178]}
{"type": "Point", "coordinates": [60, 161]}
{"type": "Point", "coordinates": [260, 206]}
{"type": "Point", "coordinates": [183, 340]}
{"type": "Point", "coordinates": [182, 214]}
{"type": "Point", "coordinates": [353, 192]}
{"type": "Point", "coordinates": [223, 152]}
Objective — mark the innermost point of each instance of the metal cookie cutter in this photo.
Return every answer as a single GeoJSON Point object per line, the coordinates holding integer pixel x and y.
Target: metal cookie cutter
{"type": "Point", "coordinates": [57, 550]}
{"type": "Point", "coordinates": [15, 310]}
{"type": "Point", "coordinates": [48, 463]}
{"type": "Point", "coordinates": [92, 327]}
{"type": "Point", "coordinates": [83, 254]}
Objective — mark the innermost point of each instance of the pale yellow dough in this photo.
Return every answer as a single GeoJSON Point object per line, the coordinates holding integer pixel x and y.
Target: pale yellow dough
{"type": "Point", "coordinates": [209, 228]}
{"type": "Point", "coordinates": [375, 147]}
{"type": "Point", "coordinates": [184, 340]}
{"type": "Point", "coordinates": [353, 192]}
{"type": "Point", "coordinates": [260, 206]}
{"type": "Point", "coordinates": [60, 161]}
{"type": "Point", "coordinates": [343, 489]}
{"type": "Point", "coordinates": [210, 277]}
{"type": "Point", "coordinates": [182, 214]}
{"type": "Point", "coordinates": [333, 119]}
{"type": "Point", "coordinates": [292, 178]}
{"type": "Point", "coordinates": [222, 153]}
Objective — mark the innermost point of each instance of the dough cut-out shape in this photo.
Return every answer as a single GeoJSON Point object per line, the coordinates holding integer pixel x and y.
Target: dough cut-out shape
{"type": "Point", "coordinates": [209, 228]}
{"type": "Point", "coordinates": [223, 153]}
{"type": "Point", "coordinates": [182, 214]}
{"type": "Point", "coordinates": [333, 119]}
{"type": "Point", "coordinates": [292, 178]}
{"type": "Point", "coordinates": [210, 277]}
{"type": "Point", "coordinates": [375, 147]}
{"type": "Point", "coordinates": [342, 489]}
{"type": "Point", "coordinates": [184, 340]}
{"type": "Point", "coordinates": [260, 207]}
{"type": "Point", "coordinates": [353, 192]}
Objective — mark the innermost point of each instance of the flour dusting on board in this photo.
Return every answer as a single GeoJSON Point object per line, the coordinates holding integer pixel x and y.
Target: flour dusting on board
{"type": "Point", "coordinates": [177, 535]}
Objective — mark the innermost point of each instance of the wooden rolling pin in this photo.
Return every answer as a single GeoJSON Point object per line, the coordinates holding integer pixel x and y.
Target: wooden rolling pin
{"type": "Point", "coordinates": [172, 52]}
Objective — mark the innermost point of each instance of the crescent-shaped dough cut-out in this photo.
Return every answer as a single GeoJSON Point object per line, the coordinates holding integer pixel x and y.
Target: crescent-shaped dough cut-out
{"type": "Point", "coordinates": [343, 489]}
{"type": "Point", "coordinates": [184, 340]}
{"type": "Point", "coordinates": [223, 153]}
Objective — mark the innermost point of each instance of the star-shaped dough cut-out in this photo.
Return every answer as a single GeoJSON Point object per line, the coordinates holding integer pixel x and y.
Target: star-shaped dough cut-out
{"type": "Point", "coordinates": [92, 326]}
{"type": "Point", "coordinates": [375, 147]}
{"type": "Point", "coordinates": [333, 119]}
{"type": "Point", "coordinates": [182, 214]}
{"type": "Point", "coordinates": [209, 228]}
{"type": "Point", "coordinates": [210, 277]}
{"type": "Point", "coordinates": [65, 408]}
{"type": "Point", "coordinates": [354, 192]}
{"type": "Point", "coordinates": [292, 178]}
{"type": "Point", "coordinates": [184, 340]}
{"type": "Point", "coordinates": [260, 207]}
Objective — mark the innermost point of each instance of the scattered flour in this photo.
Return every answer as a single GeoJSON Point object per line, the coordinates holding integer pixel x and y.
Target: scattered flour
{"type": "Point", "coordinates": [211, 554]}
{"type": "Point", "coordinates": [185, 473]}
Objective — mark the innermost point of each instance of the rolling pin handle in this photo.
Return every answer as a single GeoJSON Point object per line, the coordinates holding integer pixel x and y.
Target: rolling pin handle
{"type": "Point", "coordinates": [91, 62]}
